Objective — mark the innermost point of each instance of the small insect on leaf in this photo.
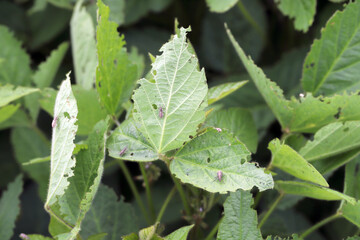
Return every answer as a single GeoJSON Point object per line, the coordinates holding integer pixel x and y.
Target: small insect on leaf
{"type": "Point", "coordinates": [218, 129]}
{"type": "Point", "coordinates": [161, 113]}
{"type": "Point", "coordinates": [53, 124]}
{"type": "Point", "coordinates": [122, 152]}
{"type": "Point", "coordinates": [219, 175]}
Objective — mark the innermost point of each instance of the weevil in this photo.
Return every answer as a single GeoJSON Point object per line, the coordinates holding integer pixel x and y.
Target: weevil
{"type": "Point", "coordinates": [123, 151]}
{"type": "Point", "coordinates": [161, 113]}
{"type": "Point", "coordinates": [53, 124]}
{"type": "Point", "coordinates": [219, 175]}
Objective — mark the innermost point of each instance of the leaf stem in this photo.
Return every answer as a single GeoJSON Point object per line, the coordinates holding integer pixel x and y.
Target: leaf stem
{"type": "Point", "coordinates": [250, 19]}
{"type": "Point", "coordinates": [182, 195]}
{"type": "Point", "coordinates": [134, 190]}
{"type": "Point", "coordinates": [148, 191]}
{"type": "Point", "coordinates": [271, 209]}
{"type": "Point", "coordinates": [165, 204]}
{"type": "Point", "coordinates": [214, 230]}
{"type": "Point", "coordinates": [320, 224]}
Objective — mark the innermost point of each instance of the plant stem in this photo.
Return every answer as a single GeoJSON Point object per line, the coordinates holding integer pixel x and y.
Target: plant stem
{"type": "Point", "coordinates": [214, 230]}
{"type": "Point", "coordinates": [148, 191]}
{"type": "Point", "coordinates": [182, 195]}
{"type": "Point", "coordinates": [320, 224]}
{"type": "Point", "coordinates": [249, 18]}
{"type": "Point", "coordinates": [211, 201]}
{"type": "Point", "coordinates": [271, 209]}
{"type": "Point", "coordinates": [165, 204]}
{"type": "Point", "coordinates": [134, 190]}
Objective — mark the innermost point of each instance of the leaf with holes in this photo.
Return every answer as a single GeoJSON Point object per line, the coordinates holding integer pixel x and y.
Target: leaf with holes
{"type": "Point", "coordinates": [170, 108]}
{"type": "Point", "coordinates": [217, 162]}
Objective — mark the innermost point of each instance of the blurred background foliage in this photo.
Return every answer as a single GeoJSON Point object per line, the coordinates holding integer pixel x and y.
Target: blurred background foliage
{"type": "Point", "coordinates": [274, 41]}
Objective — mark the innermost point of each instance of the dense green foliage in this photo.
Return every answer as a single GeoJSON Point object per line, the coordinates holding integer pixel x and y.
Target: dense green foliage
{"type": "Point", "coordinates": [164, 132]}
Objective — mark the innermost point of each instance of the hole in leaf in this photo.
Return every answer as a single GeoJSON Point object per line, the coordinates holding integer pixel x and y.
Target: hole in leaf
{"type": "Point", "coordinates": [66, 175]}
{"type": "Point", "coordinates": [99, 84]}
{"type": "Point", "coordinates": [115, 62]}
{"type": "Point", "coordinates": [67, 115]}
{"type": "Point", "coordinates": [131, 154]}
{"type": "Point", "coordinates": [154, 106]}
{"type": "Point", "coordinates": [191, 137]}
{"type": "Point", "coordinates": [337, 115]}
{"type": "Point", "coordinates": [208, 160]}
{"type": "Point", "coordinates": [135, 111]}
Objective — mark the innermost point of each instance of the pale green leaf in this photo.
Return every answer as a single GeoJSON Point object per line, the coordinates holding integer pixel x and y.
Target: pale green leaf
{"type": "Point", "coordinates": [107, 214]}
{"type": "Point", "coordinates": [10, 93]}
{"type": "Point", "coordinates": [83, 46]}
{"type": "Point", "coordinates": [202, 159]}
{"type": "Point", "coordinates": [352, 188]}
{"type": "Point", "coordinates": [76, 201]}
{"type": "Point", "coordinates": [272, 94]}
{"type": "Point", "coordinates": [9, 208]}
{"type": "Point", "coordinates": [333, 139]}
{"type": "Point", "coordinates": [312, 191]}
{"type": "Point", "coordinates": [288, 160]}
{"type": "Point", "coordinates": [170, 109]}
{"type": "Point", "coordinates": [31, 103]}
{"type": "Point", "coordinates": [221, 91]}
{"type": "Point", "coordinates": [7, 111]}
{"type": "Point", "coordinates": [240, 220]}
{"type": "Point", "coordinates": [220, 6]}
{"type": "Point", "coordinates": [29, 144]}
{"type": "Point", "coordinates": [62, 145]}
{"type": "Point", "coordinates": [303, 12]}
{"type": "Point", "coordinates": [149, 233]}
{"type": "Point", "coordinates": [115, 74]}
{"type": "Point", "coordinates": [180, 234]}
{"type": "Point", "coordinates": [126, 142]}
{"type": "Point", "coordinates": [47, 70]}
{"type": "Point", "coordinates": [14, 61]}
{"type": "Point", "coordinates": [332, 65]}
{"type": "Point", "coordinates": [37, 160]}
{"type": "Point", "coordinates": [239, 121]}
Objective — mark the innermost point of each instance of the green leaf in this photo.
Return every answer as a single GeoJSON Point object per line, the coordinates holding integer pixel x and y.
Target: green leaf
{"type": "Point", "coordinates": [62, 3]}
{"type": "Point", "coordinates": [11, 71]}
{"type": "Point", "coordinates": [7, 111]}
{"type": "Point", "coordinates": [107, 214]}
{"type": "Point", "coordinates": [47, 70]}
{"type": "Point", "coordinates": [115, 73]}
{"type": "Point", "coordinates": [83, 46]}
{"type": "Point", "coordinates": [331, 140]}
{"type": "Point", "coordinates": [126, 142]}
{"type": "Point", "coordinates": [117, 10]}
{"type": "Point", "coordinates": [312, 191]}
{"type": "Point", "coordinates": [149, 233]}
{"type": "Point", "coordinates": [18, 119]}
{"type": "Point", "coordinates": [9, 93]}
{"type": "Point", "coordinates": [351, 188]}
{"type": "Point", "coordinates": [303, 12]}
{"type": "Point", "coordinates": [76, 201]}
{"type": "Point", "coordinates": [37, 160]}
{"type": "Point", "coordinates": [10, 208]}
{"type": "Point", "coordinates": [272, 94]}
{"type": "Point", "coordinates": [99, 236]}
{"type": "Point", "coordinates": [36, 237]}
{"type": "Point", "coordinates": [240, 220]}
{"type": "Point", "coordinates": [220, 6]}
{"type": "Point", "coordinates": [175, 98]}
{"type": "Point", "coordinates": [332, 65]}
{"type": "Point", "coordinates": [29, 144]}
{"type": "Point", "coordinates": [221, 91]}
{"type": "Point", "coordinates": [180, 234]}
{"type": "Point", "coordinates": [288, 160]}
{"type": "Point", "coordinates": [62, 145]}
{"type": "Point", "coordinates": [202, 159]}
{"type": "Point", "coordinates": [238, 121]}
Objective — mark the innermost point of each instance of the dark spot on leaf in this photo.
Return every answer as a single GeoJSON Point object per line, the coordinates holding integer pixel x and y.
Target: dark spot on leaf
{"type": "Point", "coordinates": [346, 129]}
{"type": "Point", "coordinates": [191, 137]}
{"type": "Point", "coordinates": [184, 143]}
{"type": "Point", "coordinates": [321, 99]}
{"type": "Point", "coordinates": [67, 115]}
{"type": "Point", "coordinates": [131, 154]}
{"type": "Point", "coordinates": [356, 169]}
{"type": "Point", "coordinates": [154, 106]}
{"type": "Point", "coordinates": [99, 84]}
{"type": "Point", "coordinates": [135, 111]}
{"type": "Point", "coordinates": [337, 115]}
{"type": "Point", "coordinates": [66, 175]}
{"type": "Point", "coordinates": [208, 160]}
{"type": "Point", "coordinates": [312, 64]}
{"type": "Point", "coordinates": [115, 62]}
{"type": "Point", "coordinates": [328, 102]}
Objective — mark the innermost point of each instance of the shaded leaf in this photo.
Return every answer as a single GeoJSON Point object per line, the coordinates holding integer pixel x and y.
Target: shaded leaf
{"type": "Point", "coordinates": [9, 93]}
{"type": "Point", "coordinates": [219, 92]}
{"type": "Point", "coordinates": [18, 119]}
{"type": "Point", "coordinates": [240, 220]}
{"type": "Point", "coordinates": [37, 237]}
{"type": "Point", "coordinates": [201, 160]}
{"type": "Point", "coordinates": [180, 234]}
{"type": "Point", "coordinates": [220, 6]}
{"type": "Point", "coordinates": [7, 111]}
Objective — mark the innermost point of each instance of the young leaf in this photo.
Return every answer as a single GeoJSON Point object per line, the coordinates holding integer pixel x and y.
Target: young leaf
{"type": "Point", "coordinates": [238, 121]}
{"type": "Point", "coordinates": [11, 71]}
{"type": "Point", "coordinates": [150, 233]}
{"type": "Point", "coordinates": [62, 144]}
{"type": "Point", "coordinates": [351, 188]}
{"type": "Point", "coordinates": [312, 191]}
{"type": "Point", "coordinates": [127, 142]}
{"type": "Point", "coordinates": [331, 140]}
{"type": "Point", "coordinates": [217, 162]}
{"type": "Point", "coordinates": [9, 208]}
{"type": "Point", "coordinates": [170, 109]}
{"type": "Point", "coordinates": [108, 215]}
{"type": "Point", "coordinates": [76, 201]}
{"type": "Point", "coordinates": [180, 234]}
{"type": "Point", "coordinates": [220, 6]}
{"type": "Point", "coordinates": [303, 12]}
{"type": "Point", "coordinates": [9, 93]}
{"type": "Point", "coordinates": [332, 65]}
{"type": "Point", "coordinates": [36, 237]}
{"type": "Point", "coordinates": [221, 91]}
{"type": "Point", "coordinates": [240, 220]}
{"type": "Point", "coordinates": [272, 94]}
{"type": "Point", "coordinates": [115, 73]}
{"type": "Point", "coordinates": [7, 111]}
{"type": "Point", "coordinates": [83, 46]}
{"type": "Point", "coordinates": [288, 160]}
